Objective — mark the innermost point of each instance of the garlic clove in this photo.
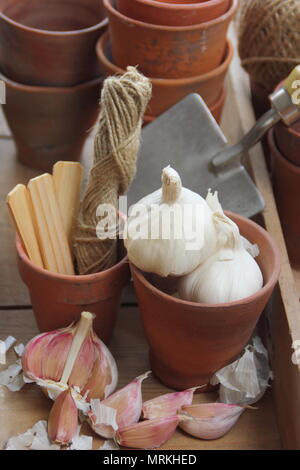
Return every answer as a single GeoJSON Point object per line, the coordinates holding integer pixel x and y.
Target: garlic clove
{"type": "Point", "coordinates": [32, 357]}
{"type": "Point", "coordinates": [83, 365]}
{"type": "Point", "coordinates": [55, 356]}
{"type": "Point", "coordinates": [104, 375]}
{"type": "Point", "coordinates": [210, 420]}
{"type": "Point", "coordinates": [127, 402]}
{"type": "Point", "coordinates": [63, 419]}
{"type": "Point", "coordinates": [148, 434]}
{"type": "Point", "coordinates": [168, 404]}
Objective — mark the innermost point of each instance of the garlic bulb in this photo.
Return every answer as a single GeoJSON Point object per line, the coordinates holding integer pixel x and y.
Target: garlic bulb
{"type": "Point", "coordinates": [71, 357]}
{"type": "Point", "coordinates": [230, 274]}
{"type": "Point", "coordinates": [171, 231]}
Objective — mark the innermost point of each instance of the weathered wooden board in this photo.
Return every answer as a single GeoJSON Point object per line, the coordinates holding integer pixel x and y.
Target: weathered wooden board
{"type": "Point", "coordinates": [256, 429]}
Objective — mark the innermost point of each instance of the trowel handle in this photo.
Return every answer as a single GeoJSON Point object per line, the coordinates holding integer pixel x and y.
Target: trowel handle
{"type": "Point", "coordinates": [285, 106]}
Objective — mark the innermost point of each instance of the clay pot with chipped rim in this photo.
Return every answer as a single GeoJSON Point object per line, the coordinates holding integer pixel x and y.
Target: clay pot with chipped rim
{"type": "Point", "coordinates": [50, 124]}
{"type": "Point", "coordinates": [50, 43]}
{"type": "Point", "coordinates": [168, 51]}
{"type": "Point", "coordinates": [57, 299]}
{"type": "Point", "coordinates": [173, 14]}
{"type": "Point", "coordinates": [188, 341]}
{"type": "Point", "coordinates": [286, 182]}
{"type": "Point", "coordinates": [167, 92]}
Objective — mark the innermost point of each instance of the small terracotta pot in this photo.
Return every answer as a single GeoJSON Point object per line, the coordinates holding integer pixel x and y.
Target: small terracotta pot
{"type": "Point", "coordinates": [168, 14]}
{"type": "Point", "coordinates": [189, 342]}
{"type": "Point", "coordinates": [166, 92]}
{"type": "Point", "coordinates": [50, 124]}
{"type": "Point", "coordinates": [168, 51]}
{"type": "Point", "coordinates": [288, 141]}
{"type": "Point", "coordinates": [50, 44]}
{"type": "Point", "coordinates": [286, 180]}
{"type": "Point", "coordinates": [57, 300]}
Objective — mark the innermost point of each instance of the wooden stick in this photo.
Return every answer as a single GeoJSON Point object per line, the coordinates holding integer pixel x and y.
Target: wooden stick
{"type": "Point", "coordinates": [20, 208]}
{"type": "Point", "coordinates": [67, 177]}
{"type": "Point", "coordinates": [53, 240]}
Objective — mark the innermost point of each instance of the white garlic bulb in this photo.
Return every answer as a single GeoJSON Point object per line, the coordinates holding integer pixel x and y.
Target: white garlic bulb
{"type": "Point", "coordinates": [171, 231]}
{"type": "Point", "coordinates": [230, 274]}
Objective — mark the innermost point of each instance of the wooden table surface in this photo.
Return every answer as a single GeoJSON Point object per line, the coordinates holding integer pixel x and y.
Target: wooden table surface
{"type": "Point", "coordinates": [18, 411]}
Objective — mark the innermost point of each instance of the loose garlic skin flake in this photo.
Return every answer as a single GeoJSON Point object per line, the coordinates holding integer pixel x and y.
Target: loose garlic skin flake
{"type": "Point", "coordinates": [171, 231]}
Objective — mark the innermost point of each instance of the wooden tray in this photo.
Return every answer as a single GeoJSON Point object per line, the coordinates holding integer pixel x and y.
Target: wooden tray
{"type": "Point", "coordinates": [276, 423]}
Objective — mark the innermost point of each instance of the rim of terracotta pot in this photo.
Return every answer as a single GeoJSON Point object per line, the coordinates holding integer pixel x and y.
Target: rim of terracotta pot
{"type": "Point", "coordinates": [125, 19]}
{"type": "Point", "coordinates": [271, 282]}
{"type": "Point", "coordinates": [46, 32]}
{"type": "Point", "coordinates": [101, 53]}
{"type": "Point", "coordinates": [278, 154]}
{"type": "Point", "coordinates": [50, 89]}
{"type": "Point", "coordinates": [148, 118]}
{"type": "Point", "coordinates": [183, 6]}
{"type": "Point", "coordinates": [77, 279]}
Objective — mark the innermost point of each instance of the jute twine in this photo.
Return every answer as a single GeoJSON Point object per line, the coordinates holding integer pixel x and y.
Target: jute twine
{"type": "Point", "coordinates": [123, 103]}
{"type": "Point", "coordinates": [269, 39]}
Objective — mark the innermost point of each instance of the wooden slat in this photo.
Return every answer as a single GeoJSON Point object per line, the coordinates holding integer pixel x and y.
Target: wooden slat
{"type": "Point", "coordinates": [285, 317]}
{"type": "Point", "coordinates": [19, 411]}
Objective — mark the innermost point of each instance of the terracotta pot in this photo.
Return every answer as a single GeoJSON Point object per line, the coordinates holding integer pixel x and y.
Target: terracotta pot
{"type": "Point", "coordinates": [288, 141]}
{"type": "Point", "coordinates": [286, 180]}
{"type": "Point", "coordinates": [166, 92]}
{"type": "Point", "coordinates": [168, 51]}
{"type": "Point", "coordinates": [180, 1]}
{"type": "Point", "coordinates": [215, 109]}
{"type": "Point", "coordinates": [168, 14]}
{"type": "Point", "coordinates": [50, 43]}
{"type": "Point", "coordinates": [50, 124]}
{"type": "Point", "coordinates": [288, 138]}
{"type": "Point", "coordinates": [57, 300]}
{"type": "Point", "coordinates": [189, 342]}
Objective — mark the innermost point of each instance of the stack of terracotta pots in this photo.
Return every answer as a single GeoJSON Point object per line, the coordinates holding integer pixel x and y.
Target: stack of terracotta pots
{"type": "Point", "coordinates": [52, 76]}
{"type": "Point", "coordinates": [181, 45]}
{"type": "Point", "coordinates": [284, 143]}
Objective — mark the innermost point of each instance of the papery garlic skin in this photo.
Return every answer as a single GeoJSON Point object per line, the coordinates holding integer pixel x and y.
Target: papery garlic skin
{"type": "Point", "coordinates": [171, 231]}
{"type": "Point", "coordinates": [210, 420]}
{"type": "Point", "coordinates": [168, 404]}
{"type": "Point", "coordinates": [245, 380]}
{"type": "Point", "coordinates": [229, 275]}
{"type": "Point", "coordinates": [71, 357]}
{"type": "Point", "coordinates": [127, 403]}
{"type": "Point", "coordinates": [148, 434]}
{"type": "Point", "coordinates": [63, 419]}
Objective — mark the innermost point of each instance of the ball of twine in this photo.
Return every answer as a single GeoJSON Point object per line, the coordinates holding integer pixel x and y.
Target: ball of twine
{"type": "Point", "coordinates": [269, 39]}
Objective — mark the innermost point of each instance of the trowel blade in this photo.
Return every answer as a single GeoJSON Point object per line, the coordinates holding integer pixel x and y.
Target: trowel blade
{"type": "Point", "coordinates": [187, 137]}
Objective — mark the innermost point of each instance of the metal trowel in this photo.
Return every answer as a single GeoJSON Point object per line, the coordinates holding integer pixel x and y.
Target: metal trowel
{"type": "Point", "coordinates": [188, 138]}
